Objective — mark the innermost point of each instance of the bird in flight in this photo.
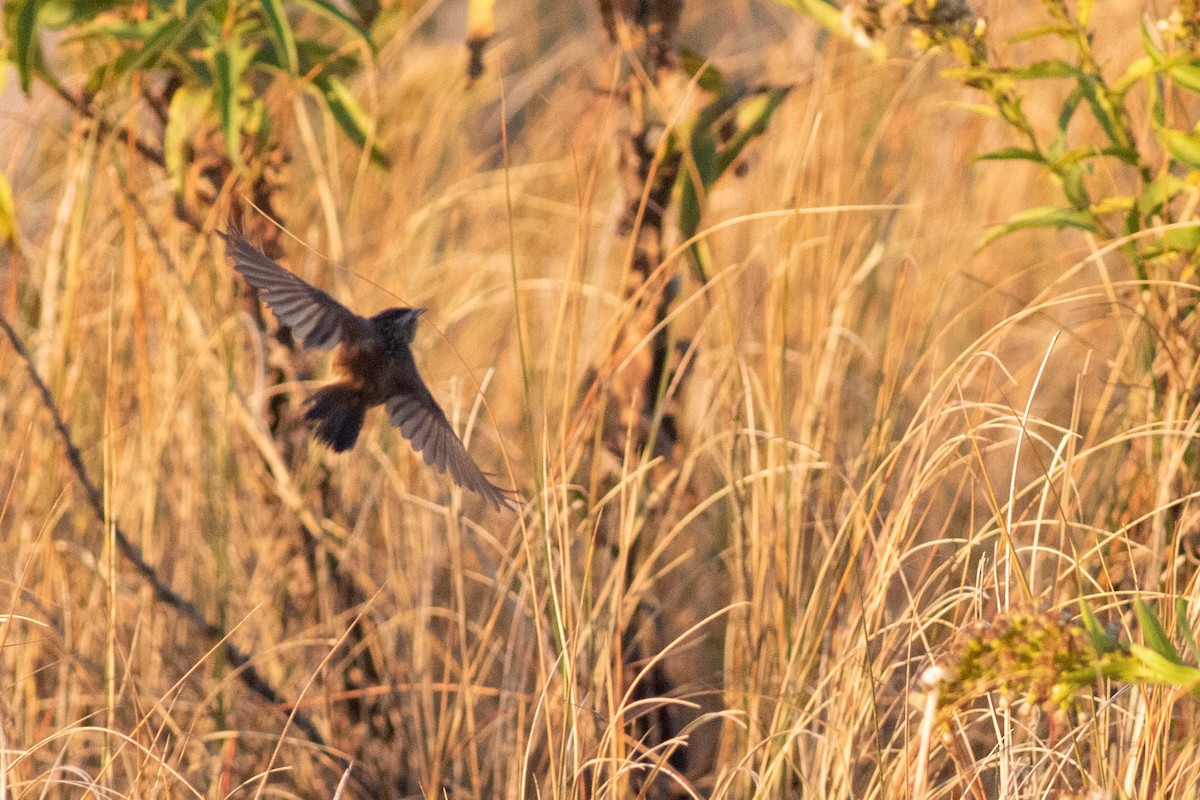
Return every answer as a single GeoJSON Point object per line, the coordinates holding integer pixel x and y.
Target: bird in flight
{"type": "Point", "coordinates": [376, 367]}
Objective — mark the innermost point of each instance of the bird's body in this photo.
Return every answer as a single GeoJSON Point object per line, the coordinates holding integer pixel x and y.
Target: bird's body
{"type": "Point", "coordinates": [375, 364]}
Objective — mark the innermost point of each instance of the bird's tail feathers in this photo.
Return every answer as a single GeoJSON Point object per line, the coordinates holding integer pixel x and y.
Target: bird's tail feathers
{"type": "Point", "coordinates": [336, 413]}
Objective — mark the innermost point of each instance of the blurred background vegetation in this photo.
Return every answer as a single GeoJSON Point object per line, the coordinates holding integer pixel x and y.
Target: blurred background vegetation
{"type": "Point", "coordinates": [844, 357]}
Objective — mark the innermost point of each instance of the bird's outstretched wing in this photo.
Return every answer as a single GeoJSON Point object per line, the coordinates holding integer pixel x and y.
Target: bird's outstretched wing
{"type": "Point", "coordinates": [314, 317]}
{"type": "Point", "coordinates": [423, 423]}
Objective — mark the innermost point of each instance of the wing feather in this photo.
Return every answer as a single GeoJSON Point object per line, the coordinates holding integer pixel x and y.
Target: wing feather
{"type": "Point", "coordinates": [317, 319]}
{"type": "Point", "coordinates": [422, 422]}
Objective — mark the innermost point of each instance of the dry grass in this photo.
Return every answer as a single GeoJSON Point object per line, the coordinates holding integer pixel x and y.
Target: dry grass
{"type": "Point", "coordinates": [886, 437]}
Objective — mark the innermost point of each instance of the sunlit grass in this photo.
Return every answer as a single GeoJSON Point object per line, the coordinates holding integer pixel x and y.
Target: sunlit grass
{"type": "Point", "coordinates": [887, 437]}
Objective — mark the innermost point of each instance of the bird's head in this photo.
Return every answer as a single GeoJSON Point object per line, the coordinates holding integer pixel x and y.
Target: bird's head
{"type": "Point", "coordinates": [399, 324]}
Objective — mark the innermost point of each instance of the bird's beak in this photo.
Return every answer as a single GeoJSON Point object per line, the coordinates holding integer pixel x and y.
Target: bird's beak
{"type": "Point", "coordinates": [419, 311]}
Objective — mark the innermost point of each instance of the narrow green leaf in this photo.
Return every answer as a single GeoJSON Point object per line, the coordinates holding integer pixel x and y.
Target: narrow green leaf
{"type": "Point", "coordinates": [106, 28]}
{"type": "Point", "coordinates": [978, 76]}
{"type": "Point", "coordinates": [226, 94]}
{"type": "Point", "coordinates": [701, 164]}
{"type": "Point", "coordinates": [200, 70]}
{"type": "Point", "coordinates": [1157, 101]}
{"type": "Point", "coordinates": [328, 9]}
{"type": "Point", "coordinates": [1152, 49]}
{"type": "Point", "coordinates": [1012, 154]}
{"type": "Point", "coordinates": [1186, 74]}
{"type": "Point", "coordinates": [1103, 110]}
{"type": "Point", "coordinates": [169, 33]}
{"type": "Point", "coordinates": [1111, 205]}
{"type": "Point", "coordinates": [1100, 638]}
{"type": "Point", "coordinates": [26, 43]}
{"type": "Point", "coordinates": [1051, 68]}
{"type": "Point", "coordinates": [1074, 186]}
{"type": "Point", "coordinates": [1159, 191]}
{"type": "Point", "coordinates": [1040, 217]}
{"type": "Point", "coordinates": [316, 57]}
{"type": "Point", "coordinates": [751, 116]}
{"type": "Point", "coordinates": [1138, 70]}
{"type": "Point", "coordinates": [1157, 668]}
{"type": "Point", "coordinates": [349, 115]}
{"type": "Point", "coordinates": [1123, 668]}
{"type": "Point", "coordinates": [59, 14]}
{"type": "Point", "coordinates": [1069, 107]}
{"type": "Point", "coordinates": [1181, 609]}
{"type": "Point", "coordinates": [1152, 632]}
{"type": "Point", "coordinates": [707, 76]}
{"type": "Point", "coordinates": [982, 109]}
{"type": "Point", "coordinates": [828, 15]}
{"type": "Point", "coordinates": [1038, 31]}
{"type": "Point", "coordinates": [1125, 154]}
{"type": "Point", "coordinates": [1075, 155]}
{"type": "Point", "coordinates": [1183, 146]}
{"type": "Point", "coordinates": [1183, 240]}
{"type": "Point", "coordinates": [281, 30]}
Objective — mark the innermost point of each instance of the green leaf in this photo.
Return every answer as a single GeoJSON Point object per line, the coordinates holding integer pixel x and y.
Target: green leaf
{"type": "Point", "coordinates": [1103, 110]}
{"type": "Point", "coordinates": [281, 30]}
{"type": "Point", "coordinates": [1152, 50]}
{"type": "Point", "coordinates": [701, 164]}
{"type": "Point", "coordinates": [1183, 146]}
{"type": "Point", "coordinates": [1125, 154]}
{"type": "Point", "coordinates": [136, 30]}
{"type": "Point", "coordinates": [717, 136]}
{"type": "Point", "coordinates": [1069, 107]}
{"type": "Point", "coordinates": [1051, 68]}
{"type": "Point", "coordinates": [1074, 186]}
{"type": "Point", "coordinates": [751, 116]}
{"type": "Point", "coordinates": [1183, 240]}
{"type": "Point", "coordinates": [1138, 70]}
{"type": "Point", "coordinates": [25, 42]}
{"type": "Point", "coordinates": [169, 33]}
{"type": "Point", "coordinates": [8, 211]}
{"type": "Point", "coordinates": [226, 93]}
{"type": "Point", "coordinates": [829, 16]}
{"type": "Point", "coordinates": [982, 109]}
{"type": "Point", "coordinates": [1181, 609]}
{"type": "Point", "coordinates": [316, 57]}
{"type": "Point", "coordinates": [1040, 217]}
{"type": "Point", "coordinates": [1159, 192]}
{"type": "Point", "coordinates": [979, 76]}
{"type": "Point", "coordinates": [184, 115]}
{"type": "Point", "coordinates": [349, 115]}
{"type": "Point", "coordinates": [824, 13]}
{"type": "Point", "coordinates": [59, 14]}
{"type": "Point", "coordinates": [707, 77]}
{"type": "Point", "coordinates": [1186, 74]}
{"type": "Point", "coordinates": [1156, 668]}
{"type": "Point", "coordinates": [1111, 205]}
{"type": "Point", "coordinates": [1012, 154]}
{"type": "Point", "coordinates": [328, 9]}
{"type": "Point", "coordinates": [1036, 32]}
{"type": "Point", "coordinates": [1076, 155]}
{"type": "Point", "coordinates": [1152, 632]}
{"type": "Point", "coordinates": [1100, 638]}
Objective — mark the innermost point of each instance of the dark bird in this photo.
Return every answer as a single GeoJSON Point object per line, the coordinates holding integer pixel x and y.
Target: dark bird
{"type": "Point", "coordinates": [376, 366]}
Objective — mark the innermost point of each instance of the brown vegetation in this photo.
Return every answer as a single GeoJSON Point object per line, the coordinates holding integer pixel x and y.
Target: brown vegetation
{"type": "Point", "coordinates": [879, 438]}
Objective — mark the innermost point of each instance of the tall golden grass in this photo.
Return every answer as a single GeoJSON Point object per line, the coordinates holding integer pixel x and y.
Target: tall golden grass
{"type": "Point", "coordinates": [886, 435]}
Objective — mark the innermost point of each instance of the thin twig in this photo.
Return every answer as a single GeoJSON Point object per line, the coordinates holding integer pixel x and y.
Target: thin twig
{"type": "Point", "coordinates": [246, 672]}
